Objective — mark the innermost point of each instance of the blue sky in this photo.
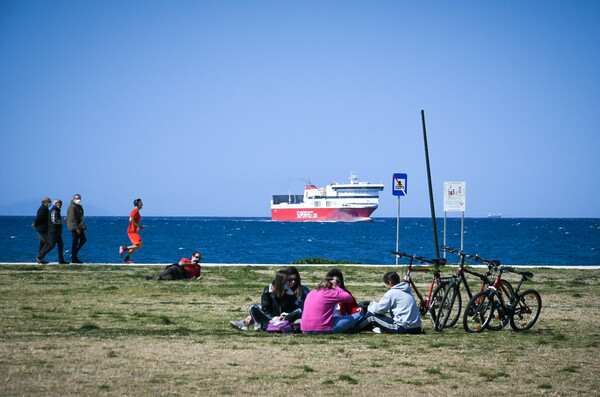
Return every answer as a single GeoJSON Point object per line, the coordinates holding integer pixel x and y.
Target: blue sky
{"type": "Point", "coordinates": [209, 108]}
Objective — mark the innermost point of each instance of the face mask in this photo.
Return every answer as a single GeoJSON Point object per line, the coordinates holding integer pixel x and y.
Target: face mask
{"type": "Point", "coordinates": [77, 201]}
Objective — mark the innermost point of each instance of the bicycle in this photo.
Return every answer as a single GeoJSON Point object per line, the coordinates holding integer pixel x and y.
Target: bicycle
{"type": "Point", "coordinates": [451, 303]}
{"type": "Point", "coordinates": [429, 303]}
{"type": "Point", "coordinates": [522, 309]}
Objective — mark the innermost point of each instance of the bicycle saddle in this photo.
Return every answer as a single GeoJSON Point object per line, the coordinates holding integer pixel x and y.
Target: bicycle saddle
{"type": "Point", "coordinates": [495, 262]}
{"type": "Point", "coordinates": [526, 274]}
{"type": "Point", "coordinates": [439, 261]}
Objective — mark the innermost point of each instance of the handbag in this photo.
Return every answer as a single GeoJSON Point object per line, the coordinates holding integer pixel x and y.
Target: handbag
{"type": "Point", "coordinates": [283, 326]}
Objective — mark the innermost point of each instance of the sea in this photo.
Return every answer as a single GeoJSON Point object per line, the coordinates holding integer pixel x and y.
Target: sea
{"type": "Point", "coordinates": [513, 241]}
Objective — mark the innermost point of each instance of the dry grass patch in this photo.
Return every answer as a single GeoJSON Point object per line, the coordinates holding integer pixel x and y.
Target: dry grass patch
{"type": "Point", "coordinates": [91, 330]}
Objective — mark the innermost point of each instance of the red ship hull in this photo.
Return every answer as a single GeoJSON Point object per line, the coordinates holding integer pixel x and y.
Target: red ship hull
{"type": "Point", "coordinates": [322, 214]}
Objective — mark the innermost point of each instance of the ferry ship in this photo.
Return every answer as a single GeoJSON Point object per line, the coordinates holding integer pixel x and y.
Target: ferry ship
{"type": "Point", "coordinates": [337, 202]}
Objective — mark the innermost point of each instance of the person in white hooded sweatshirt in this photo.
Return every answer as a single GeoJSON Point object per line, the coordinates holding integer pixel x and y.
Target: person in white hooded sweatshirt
{"type": "Point", "coordinates": [400, 303]}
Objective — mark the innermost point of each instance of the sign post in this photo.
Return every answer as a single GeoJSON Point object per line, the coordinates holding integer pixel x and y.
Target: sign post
{"type": "Point", "coordinates": [399, 189]}
{"type": "Point", "coordinates": [455, 198]}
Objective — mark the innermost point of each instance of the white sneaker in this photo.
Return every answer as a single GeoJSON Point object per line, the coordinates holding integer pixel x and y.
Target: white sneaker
{"type": "Point", "coordinates": [240, 324]}
{"type": "Point", "coordinates": [377, 330]}
{"type": "Point", "coordinates": [121, 251]}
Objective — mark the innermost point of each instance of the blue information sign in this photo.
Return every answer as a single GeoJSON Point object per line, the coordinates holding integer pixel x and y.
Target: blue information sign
{"type": "Point", "coordinates": [399, 184]}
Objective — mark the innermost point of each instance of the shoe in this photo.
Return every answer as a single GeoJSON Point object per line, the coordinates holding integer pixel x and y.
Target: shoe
{"type": "Point", "coordinates": [377, 330]}
{"type": "Point", "coordinates": [63, 262]}
{"type": "Point", "coordinates": [240, 324]}
{"type": "Point", "coordinates": [149, 277]}
{"type": "Point", "coordinates": [76, 260]}
{"type": "Point", "coordinates": [128, 261]}
{"type": "Point", "coordinates": [41, 261]}
{"type": "Point", "coordinates": [122, 250]}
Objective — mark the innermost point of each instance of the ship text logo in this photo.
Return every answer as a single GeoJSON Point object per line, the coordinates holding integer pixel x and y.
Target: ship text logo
{"type": "Point", "coordinates": [306, 214]}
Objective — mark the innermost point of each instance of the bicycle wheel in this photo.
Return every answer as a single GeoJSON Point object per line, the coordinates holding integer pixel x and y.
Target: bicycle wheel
{"type": "Point", "coordinates": [509, 287]}
{"type": "Point", "coordinates": [434, 303]}
{"type": "Point", "coordinates": [526, 311]}
{"type": "Point", "coordinates": [449, 307]}
{"type": "Point", "coordinates": [478, 311]}
{"type": "Point", "coordinates": [499, 316]}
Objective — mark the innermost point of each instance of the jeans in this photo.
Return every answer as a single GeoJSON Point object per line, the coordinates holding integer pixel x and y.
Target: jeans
{"type": "Point", "coordinates": [340, 324]}
{"type": "Point", "coordinates": [262, 319]}
{"type": "Point", "coordinates": [78, 241]}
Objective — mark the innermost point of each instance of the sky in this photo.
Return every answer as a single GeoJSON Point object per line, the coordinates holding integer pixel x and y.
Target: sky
{"type": "Point", "coordinates": [208, 108]}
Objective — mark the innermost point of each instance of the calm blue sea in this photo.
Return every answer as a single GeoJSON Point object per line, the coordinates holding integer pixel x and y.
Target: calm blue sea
{"type": "Point", "coordinates": [258, 240]}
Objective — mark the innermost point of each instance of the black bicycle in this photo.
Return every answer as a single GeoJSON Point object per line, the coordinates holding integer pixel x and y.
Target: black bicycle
{"type": "Point", "coordinates": [521, 311]}
{"type": "Point", "coordinates": [451, 303]}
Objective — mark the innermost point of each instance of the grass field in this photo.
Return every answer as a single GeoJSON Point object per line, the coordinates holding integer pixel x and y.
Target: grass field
{"type": "Point", "coordinates": [105, 330]}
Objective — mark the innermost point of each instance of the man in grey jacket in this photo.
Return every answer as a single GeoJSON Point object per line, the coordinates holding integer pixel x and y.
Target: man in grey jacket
{"type": "Point", "coordinates": [77, 227]}
{"type": "Point", "coordinates": [400, 303]}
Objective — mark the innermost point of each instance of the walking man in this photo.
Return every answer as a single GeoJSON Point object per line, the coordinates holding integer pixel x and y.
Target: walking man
{"type": "Point", "coordinates": [132, 231]}
{"type": "Point", "coordinates": [77, 227]}
{"type": "Point", "coordinates": [55, 228]}
{"type": "Point", "coordinates": [41, 227]}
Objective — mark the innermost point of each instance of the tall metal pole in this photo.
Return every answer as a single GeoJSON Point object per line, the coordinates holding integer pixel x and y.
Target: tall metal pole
{"type": "Point", "coordinates": [435, 235]}
{"type": "Point", "coordinates": [398, 231]}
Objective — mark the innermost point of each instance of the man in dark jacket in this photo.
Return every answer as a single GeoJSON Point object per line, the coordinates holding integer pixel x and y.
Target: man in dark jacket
{"type": "Point", "coordinates": [41, 227]}
{"type": "Point", "coordinates": [55, 231]}
{"type": "Point", "coordinates": [77, 227]}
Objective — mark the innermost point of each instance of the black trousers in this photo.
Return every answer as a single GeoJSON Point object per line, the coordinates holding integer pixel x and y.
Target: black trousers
{"type": "Point", "coordinates": [78, 241]}
{"type": "Point", "coordinates": [55, 239]}
{"type": "Point", "coordinates": [172, 272]}
{"type": "Point", "coordinates": [44, 244]}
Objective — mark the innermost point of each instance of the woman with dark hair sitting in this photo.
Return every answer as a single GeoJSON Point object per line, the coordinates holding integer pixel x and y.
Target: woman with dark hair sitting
{"type": "Point", "coordinates": [343, 308]}
{"type": "Point", "coordinates": [300, 291]}
{"type": "Point", "coordinates": [293, 283]}
{"type": "Point", "coordinates": [400, 302]}
{"type": "Point", "coordinates": [278, 302]}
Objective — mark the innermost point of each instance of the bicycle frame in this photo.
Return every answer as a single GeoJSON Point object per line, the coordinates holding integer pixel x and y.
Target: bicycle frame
{"type": "Point", "coordinates": [462, 279]}
{"type": "Point", "coordinates": [501, 291]}
{"type": "Point", "coordinates": [434, 282]}
{"type": "Point", "coordinates": [436, 279]}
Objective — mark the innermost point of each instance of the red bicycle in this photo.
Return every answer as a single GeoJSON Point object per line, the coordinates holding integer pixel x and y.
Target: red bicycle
{"type": "Point", "coordinates": [450, 305]}
{"type": "Point", "coordinates": [521, 311]}
{"type": "Point", "coordinates": [437, 289]}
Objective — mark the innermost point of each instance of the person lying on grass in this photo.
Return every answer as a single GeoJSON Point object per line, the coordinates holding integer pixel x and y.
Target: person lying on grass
{"type": "Point", "coordinates": [186, 268]}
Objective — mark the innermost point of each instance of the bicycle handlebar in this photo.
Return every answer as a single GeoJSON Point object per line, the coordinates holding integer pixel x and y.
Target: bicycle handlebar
{"type": "Point", "coordinates": [434, 261]}
{"type": "Point", "coordinates": [492, 263]}
{"type": "Point", "coordinates": [453, 251]}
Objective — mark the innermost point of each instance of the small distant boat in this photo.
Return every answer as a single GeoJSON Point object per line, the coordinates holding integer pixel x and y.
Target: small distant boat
{"type": "Point", "coordinates": [494, 215]}
{"type": "Point", "coordinates": [338, 202]}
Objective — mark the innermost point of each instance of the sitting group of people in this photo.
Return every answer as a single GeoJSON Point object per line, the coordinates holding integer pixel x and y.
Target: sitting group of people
{"type": "Point", "coordinates": [330, 308]}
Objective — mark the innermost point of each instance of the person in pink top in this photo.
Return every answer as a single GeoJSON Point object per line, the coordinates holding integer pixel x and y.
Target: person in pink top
{"type": "Point", "coordinates": [317, 316]}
